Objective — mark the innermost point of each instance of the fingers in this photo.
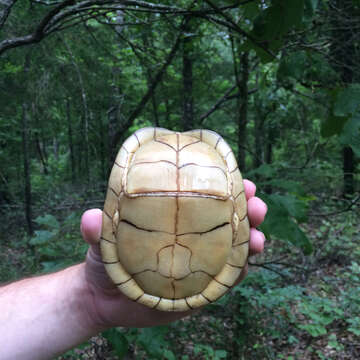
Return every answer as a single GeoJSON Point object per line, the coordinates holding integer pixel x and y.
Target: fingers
{"type": "Point", "coordinates": [256, 211]}
{"type": "Point", "coordinates": [257, 240]}
{"type": "Point", "coordinates": [90, 227]}
{"type": "Point", "coordinates": [250, 189]}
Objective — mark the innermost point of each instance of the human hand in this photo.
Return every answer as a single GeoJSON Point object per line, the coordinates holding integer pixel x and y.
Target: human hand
{"type": "Point", "coordinates": [108, 307]}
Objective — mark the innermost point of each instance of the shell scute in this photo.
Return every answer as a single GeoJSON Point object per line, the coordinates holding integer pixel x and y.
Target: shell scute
{"type": "Point", "coordinates": [209, 252]}
{"type": "Point", "coordinates": [196, 215]}
{"type": "Point", "coordinates": [193, 283]}
{"type": "Point", "coordinates": [122, 158]}
{"type": "Point", "coordinates": [138, 249]}
{"type": "Point", "coordinates": [148, 214]}
{"type": "Point", "coordinates": [165, 181]}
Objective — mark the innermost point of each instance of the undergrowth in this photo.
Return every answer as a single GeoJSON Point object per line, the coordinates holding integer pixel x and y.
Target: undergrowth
{"type": "Point", "coordinates": [290, 306]}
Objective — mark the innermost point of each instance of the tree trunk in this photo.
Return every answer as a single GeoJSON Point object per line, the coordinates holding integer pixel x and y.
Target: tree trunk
{"type": "Point", "coordinates": [188, 101]}
{"type": "Point", "coordinates": [348, 170]}
{"type": "Point", "coordinates": [70, 140]}
{"type": "Point", "coordinates": [41, 154]}
{"type": "Point", "coordinates": [27, 184]}
{"type": "Point", "coordinates": [103, 157]}
{"type": "Point", "coordinates": [155, 111]}
{"type": "Point", "coordinates": [149, 71]}
{"type": "Point", "coordinates": [343, 15]}
{"type": "Point", "coordinates": [39, 144]}
{"type": "Point", "coordinates": [167, 109]}
{"type": "Point", "coordinates": [268, 156]}
{"type": "Point", "coordinates": [259, 138]}
{"type": "Point", "coordinates": [242, 118]}
{"type": "Point", "coordinates": [85, 114]}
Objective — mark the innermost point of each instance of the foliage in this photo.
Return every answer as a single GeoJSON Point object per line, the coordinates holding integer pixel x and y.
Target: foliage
{"type": "Point", "coordinates": [151, 340]}
{"type": "Point", "coordinates": [80, 83]}
{"type": "Point", "coordinates": [57, 240]}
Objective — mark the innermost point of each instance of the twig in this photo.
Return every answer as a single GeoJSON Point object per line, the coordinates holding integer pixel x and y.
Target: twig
{"type": "Point", "coordinates": [238, 29]}
{"type": "Point", "coordinates": [150, 90]}
{"type": "Point", "coordinates": [348, 208]}
{"type": "Point", "coordinates": [5, 8]}
{"type": "Point", "coordinates": [270, 269]}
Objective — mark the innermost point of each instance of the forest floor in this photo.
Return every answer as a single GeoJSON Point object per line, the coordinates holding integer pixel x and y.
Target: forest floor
{"type": "Point", "coordinates": [293, 307]}
{"type": "Point", "coordinates": [336, 343]}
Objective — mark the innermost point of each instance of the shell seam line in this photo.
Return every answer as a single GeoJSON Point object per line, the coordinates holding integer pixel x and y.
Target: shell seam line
{"type": "Point", "coordinates": [241, 192]}
{"type": "Point", "coordinates": [164, 143]}
{"type": "Point", "coordinates": [219, 282]}
{"type": "Point", "coordinates": [112, 189]}
{"type": "Point", "coordinates": [235, 266]}
{"type": "Point", "coordinates": [245, 242]}
{"type": "Point", "coordinates": [111, 242]}
{"type": "Point", "coordinates": [174, 193]}
{"type": "Point", "coordinates": [104, 211]}
{"type": "Point", "coordinates": [206, 231]}
{"type": "Point", "coordinates": [123, 282]}
{"type": "Point", "coordinates": [137, 139]}
{"type": "Point", "coordinates": [120, 166]}
{"type": "Point", "coordinates": [195, 142]}
{"type": "Point", "coordinates": [143, 229]}
{"type": "Point", "coordinates": [205, 298]}
{"type": "Point", "coordinates": [153, 162]}
{"type": "Point", "coordinates": [171, 277]}
{"type": "Point", "coordinates": [187, 303]}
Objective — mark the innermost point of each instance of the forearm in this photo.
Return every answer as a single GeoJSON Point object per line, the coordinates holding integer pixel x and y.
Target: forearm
{"type": "Point", "coordinates": [44, 316]}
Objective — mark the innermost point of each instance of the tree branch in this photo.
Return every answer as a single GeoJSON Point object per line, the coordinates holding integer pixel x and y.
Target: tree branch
{"type": "Point", "coordinates": [237, 28]}
{"type": "Point", "coordinates": [39, 33]}
{"type": "Point", "coordinates": [217, 104]}
{"type": "Point", "coordinates": [5, 8]}
{"type": "Point", "coordinates": [147, 96]}
{"type": "Point", "coordinates": [222, 100]}
{"type": "Point", "coordinates": [348, 208]}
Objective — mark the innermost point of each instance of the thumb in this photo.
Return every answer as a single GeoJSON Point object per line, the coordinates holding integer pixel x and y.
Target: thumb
{"type": "Point", "coordinates": [91, 222]}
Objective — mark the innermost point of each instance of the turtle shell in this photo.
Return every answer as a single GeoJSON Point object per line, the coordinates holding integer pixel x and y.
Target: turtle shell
{"type": "Point", "coordinates": [175, 232]}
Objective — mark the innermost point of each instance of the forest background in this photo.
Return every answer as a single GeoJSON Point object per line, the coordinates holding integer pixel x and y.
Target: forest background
{"type": "Point", "coordinates": [279, 80]}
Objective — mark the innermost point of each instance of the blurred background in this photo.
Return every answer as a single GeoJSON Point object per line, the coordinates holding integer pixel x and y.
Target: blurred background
{"type": "Point", "coordinates": [279, 80]}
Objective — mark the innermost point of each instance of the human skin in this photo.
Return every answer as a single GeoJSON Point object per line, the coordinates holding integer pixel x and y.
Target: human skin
{"type": "Point", "coordinates": [44, 316]}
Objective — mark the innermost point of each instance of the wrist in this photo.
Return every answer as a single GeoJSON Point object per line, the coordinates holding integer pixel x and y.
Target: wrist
{"type": "Point", "coordinates": [81, 295]}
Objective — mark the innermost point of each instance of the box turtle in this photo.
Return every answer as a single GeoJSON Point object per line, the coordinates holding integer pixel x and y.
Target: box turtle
{"type": "Point", "coordinates": [175, 232]}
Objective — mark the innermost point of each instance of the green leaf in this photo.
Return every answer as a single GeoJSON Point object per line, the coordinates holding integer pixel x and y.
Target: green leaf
{"type": "Point", "coordinates": [350, 134]}
{"type": "Point", "coordinates": [48, 220]}
{"type": "Point", "coordinates": [260, 52]}
{"type": "Point", "coordinates": [293, 13]}
{"type": "Point", "coordinates": [169, 355]}
{"type": "Point", "coordinates": [42, 237]}
{"type": "Point", "coordinates": [314, 329]}
{"type": "Point", "coordinates": [278, 19]}
{"type": "Point", "coordinates": [295, 207]}
{"type": "Point", "coordinates": [333, 125]}
{"type": "Point", "coordinates": [152, 340]}
{"type": "Point", "coordinates": [310, 6]}
{"type": "Point", "coordinates": [279, 222]}
{"type": "Point", "coordinates": [220, 354]}
{"type": "Point", "coordinates": [271, 25]}
{"type": "Point", "coordinates": [251, 10]}
{"type": "Point", "coordinates": [347, 101]}
{"type": "Point", "coordinates": [293, 65]}
{"type": "Point", "coordinates": [265, 170]}
{"type": "Point", "coordinates": [355, 325]}
{"type": "Point", "coordinates": [118, 341]}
